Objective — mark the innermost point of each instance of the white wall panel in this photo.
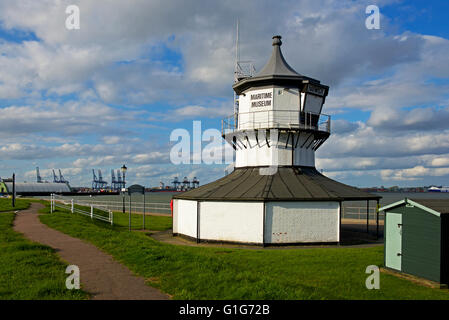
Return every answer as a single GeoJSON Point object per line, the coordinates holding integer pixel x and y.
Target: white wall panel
{"type": "Point", "coordinates": [175, 215]}
{"type": "Point", "coordinates": [232, 221]}
{"type": "Point", "coordinates": [290, 222]}
{"type": "Point", "coordinates": [262, 155]}
{"type": "Point", "coordinates": [185, 217]}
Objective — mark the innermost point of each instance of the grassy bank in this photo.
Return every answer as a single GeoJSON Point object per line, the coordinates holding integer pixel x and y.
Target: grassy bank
{"type": "Point", "coordinates": [156, 223]}
{"type": "Point", "coordinates": [121, 220]}
{"type": "Point", "coordinates": [6, 204]}
{"type": "Point", "coordinates": [220, 273]}
{"type": "Point", "coordinates": [29, 270]}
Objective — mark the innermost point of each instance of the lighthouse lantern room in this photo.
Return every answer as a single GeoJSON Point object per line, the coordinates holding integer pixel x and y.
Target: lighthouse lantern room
{"type": "Point", "coordinates": [274, 195]}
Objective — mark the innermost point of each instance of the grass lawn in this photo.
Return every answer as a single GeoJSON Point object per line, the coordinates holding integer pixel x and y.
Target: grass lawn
{"type": "Point", "coordinates": [6, 204]}
{"type": "Point", "coordinates": [219, 273]}
{"type": "Point", "coordinates": [29, 270]}
{"type": "Point", "coordinates": [121, 220]}
{"type": "Point", "coordinates": [156, 223]}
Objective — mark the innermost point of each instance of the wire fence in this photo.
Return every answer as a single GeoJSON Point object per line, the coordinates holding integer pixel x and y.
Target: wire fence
{"type": "Point", "coordinates": [136, 207]}
{"type": "Point", "coordinates": [122, 206]}
{"type": "Point", "coordinates": [70, 204]}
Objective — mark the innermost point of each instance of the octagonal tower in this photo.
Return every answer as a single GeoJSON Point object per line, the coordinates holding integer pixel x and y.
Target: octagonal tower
{"type": "Point", "coordinates": [277, 125]}
{"type": "Point", "coordinates": [279, 120]}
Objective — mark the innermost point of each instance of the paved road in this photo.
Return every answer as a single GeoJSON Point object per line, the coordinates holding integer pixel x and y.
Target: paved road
{"type": "Point", "coordinates": [100, 275]}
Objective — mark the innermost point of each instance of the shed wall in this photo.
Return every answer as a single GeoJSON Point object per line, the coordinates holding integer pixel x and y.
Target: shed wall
{"type": "Point", "coordinates": [308, 222]}
{"type": "Point", "coordinates": [421, 243]}
{"type": "Point", "coordinates": [445, 249]}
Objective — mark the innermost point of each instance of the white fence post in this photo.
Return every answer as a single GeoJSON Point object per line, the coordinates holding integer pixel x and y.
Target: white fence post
{"type": "Point", "coordinates": [111, 217]}
{"type": "Point", "coordinates": [51, 202]}
{"type": "Point", "coordinates": [71, 209]}
{"type": "Point", "coordinates": [91, 211]}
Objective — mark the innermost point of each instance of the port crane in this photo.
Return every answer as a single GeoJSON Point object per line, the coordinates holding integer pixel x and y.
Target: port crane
{"type": "Point", "coordinates": [95, 180]}
{"type": "Point", "coordinates": [195, 183]}
{"type": "Point", "coordinates": [120, 182]}
{"type": "Point", "coordinates": [101, 183]}
{"type": "Point", "coordinates": [55, 178]}
{"type": "Point", "coordinates": [38, 176]}
{"type": "Point", "coordinates": [185, 183]}
{"type": "Point", "coordinates": [61, 177]}
{"type": "Point", "coordinates": [176, 183]}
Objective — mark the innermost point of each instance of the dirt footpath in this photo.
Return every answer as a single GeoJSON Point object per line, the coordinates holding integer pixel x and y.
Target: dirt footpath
{"type": "Point", "coordinates": [100, 275]}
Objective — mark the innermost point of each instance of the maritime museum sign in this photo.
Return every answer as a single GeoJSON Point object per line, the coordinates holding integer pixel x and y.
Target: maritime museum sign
{"type": "Point", "coordinates": [263, 99]}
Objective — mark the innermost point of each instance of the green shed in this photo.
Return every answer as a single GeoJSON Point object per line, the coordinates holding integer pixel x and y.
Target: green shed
{"type": "Point", "coordinates": [416, 235]}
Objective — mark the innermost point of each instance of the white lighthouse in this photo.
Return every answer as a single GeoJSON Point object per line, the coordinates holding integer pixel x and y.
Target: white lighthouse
{"type": "Point", "coordinates": [274, 195]}
{"type": "Point", "coordinates": [280, 99]}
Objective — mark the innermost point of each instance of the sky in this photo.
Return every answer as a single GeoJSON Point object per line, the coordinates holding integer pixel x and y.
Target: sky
{"type": "Point", "coordinates": [113, 91]}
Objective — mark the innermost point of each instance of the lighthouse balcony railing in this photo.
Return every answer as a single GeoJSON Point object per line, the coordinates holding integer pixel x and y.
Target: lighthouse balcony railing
{"type": "Point", "coordinates": [276, 119]}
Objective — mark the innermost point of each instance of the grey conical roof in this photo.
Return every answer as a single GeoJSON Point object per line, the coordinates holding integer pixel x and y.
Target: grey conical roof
{"type": "Point", "coordinates": [276, 71]}
{"type": "Point", "coordinates": [287, 184]}
{"type": "Point", "coordinates": [277, 66]}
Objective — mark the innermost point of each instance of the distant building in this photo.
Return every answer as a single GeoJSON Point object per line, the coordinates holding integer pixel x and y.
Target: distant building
{"type": "Point", "coordinates": [37, 189]}
{"type": "Point", "coordinates": [438, 189]}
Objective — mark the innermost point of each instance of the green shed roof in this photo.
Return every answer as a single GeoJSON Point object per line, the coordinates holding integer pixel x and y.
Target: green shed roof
{"type": "Point", "coordinates": [439, 205]}
{"type": "Point", "coordinates": [434, 206]}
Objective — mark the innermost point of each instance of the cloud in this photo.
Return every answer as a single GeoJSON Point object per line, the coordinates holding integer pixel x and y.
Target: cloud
{"type": "Point", "coordinates": [68, 118]}
{"type": "Point", "coordinates": [342, 126]}
{"type": "Point", "coordinates": [440, 162]}
{"type": "Point", "coordinates": [414, 173]}
{"type": "Point", "coordinates": [111, 139]}
{"type": "Point", "coordinates": [155, 157]}
{"type": "Point", "coordinates": [114, 48]}
{"type": "Point", "coordinates": [84, 97]}
{"type": "Point", "coordinates": [421, 119]}
{"type": "Point", "coordinates": [18, 151]}
{"type": "Point", "coordinates": [200, 111]}
{"type": "Point", "coordinates": [47, 174]}
{"type": "Point", "coordinates": [369, 142]}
